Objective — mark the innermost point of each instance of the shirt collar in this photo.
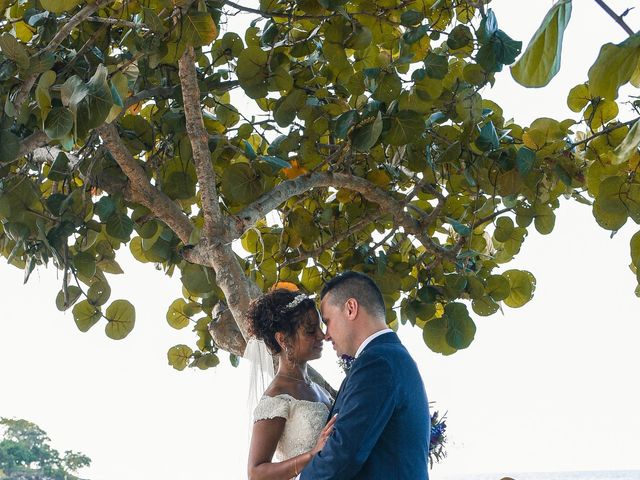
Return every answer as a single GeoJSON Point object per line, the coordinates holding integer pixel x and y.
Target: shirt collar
{"type": "Point", "coordinates": [370, 338]}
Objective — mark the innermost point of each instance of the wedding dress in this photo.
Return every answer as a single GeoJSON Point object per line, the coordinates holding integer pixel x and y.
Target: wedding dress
{"type": "Point", "coordinates": [304, 421]}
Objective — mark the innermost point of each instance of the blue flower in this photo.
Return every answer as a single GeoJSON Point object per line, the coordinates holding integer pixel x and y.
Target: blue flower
{"type": "Point", "coordinates": [345, 361]}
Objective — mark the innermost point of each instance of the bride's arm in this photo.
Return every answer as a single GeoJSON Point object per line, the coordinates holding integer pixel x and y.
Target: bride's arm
{"type": "Point", "coordinates": [265, 437]}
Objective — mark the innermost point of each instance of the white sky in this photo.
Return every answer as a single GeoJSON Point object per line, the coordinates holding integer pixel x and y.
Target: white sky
{"type": "Point", "coordinates": [551, 386]}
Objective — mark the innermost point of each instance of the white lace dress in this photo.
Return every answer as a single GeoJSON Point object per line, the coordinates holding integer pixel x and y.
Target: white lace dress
{"type": "Point", "coordinates": [304, 421]}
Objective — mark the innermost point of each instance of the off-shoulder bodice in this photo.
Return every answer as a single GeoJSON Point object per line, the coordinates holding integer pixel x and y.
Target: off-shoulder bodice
{"type": "Point", "coordinates": [304, 421]}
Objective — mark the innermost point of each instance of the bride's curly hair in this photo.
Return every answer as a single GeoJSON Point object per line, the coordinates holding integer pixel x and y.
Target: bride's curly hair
{"type": "Point", "coordinates": [278, 311]}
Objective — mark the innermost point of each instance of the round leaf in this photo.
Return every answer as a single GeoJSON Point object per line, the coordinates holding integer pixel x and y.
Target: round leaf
{"type": "Point", "coordinates": [86, 315]}
{"type": "Point", "coordinates": [434, 335]}
{"type": "Point", "coordinates": [241, 184]}
{"type": "Point", "coordinates": [59, 123]}
{"type": "Point", "coordinates": [179, 356]}
{"type": "Point", "coordinates": [99, 293]}
{"type": "Point", "coordinates": [121, 316]}
{"type": "Point", "coordinates": [460, 327]}
{"type": "Point", "coordinates": [522, 285]}
{"type": "Point", "coordinates": [73, 293]}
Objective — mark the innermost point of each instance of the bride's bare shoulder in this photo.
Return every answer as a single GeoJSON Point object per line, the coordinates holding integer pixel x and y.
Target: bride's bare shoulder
{"type": "Point", "coordinates": [278, 387]}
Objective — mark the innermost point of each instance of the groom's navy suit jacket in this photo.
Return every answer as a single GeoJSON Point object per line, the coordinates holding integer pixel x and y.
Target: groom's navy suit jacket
{"type": "Point", "coordinates": [383, 426]}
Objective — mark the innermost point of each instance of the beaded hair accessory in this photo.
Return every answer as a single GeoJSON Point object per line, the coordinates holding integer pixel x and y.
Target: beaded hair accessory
{"type": "Point", "coordinates": [297, 300]}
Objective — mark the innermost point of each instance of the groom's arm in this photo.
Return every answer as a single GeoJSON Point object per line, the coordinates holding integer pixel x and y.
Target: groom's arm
{"type": "Point", "coordinates": [367, 404]}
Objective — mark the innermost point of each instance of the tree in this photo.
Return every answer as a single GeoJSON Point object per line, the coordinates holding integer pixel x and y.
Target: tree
{"type": "Point", "coordinates": [25, 453]}
{"type": "Point", "coordinates": [370, 140]}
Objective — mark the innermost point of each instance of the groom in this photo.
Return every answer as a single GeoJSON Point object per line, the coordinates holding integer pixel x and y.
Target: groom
{"type": "Point", "coordinates": [383, 424]}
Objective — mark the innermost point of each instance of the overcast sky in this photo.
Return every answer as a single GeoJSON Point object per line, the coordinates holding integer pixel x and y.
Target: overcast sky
{"type": "Point", "coordinates": [551, 386]}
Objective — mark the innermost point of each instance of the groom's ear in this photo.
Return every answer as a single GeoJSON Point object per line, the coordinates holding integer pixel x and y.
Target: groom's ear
{"type": "Point", "coordinates": [351, 306]}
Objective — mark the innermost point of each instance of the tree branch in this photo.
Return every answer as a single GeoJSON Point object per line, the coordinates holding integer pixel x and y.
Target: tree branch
{"type": "Point", "coordinates": [214, 248]}
{"type": "Point", "coordinates": [230, 277]}
{"type": "Point", "coordinates": [213, 222]}
{"type": "Point", "coordinates": [618, 18]}
{"type": "Point", "coordinates": [262, 13]}
{"type": "Point", "coordinates": [290, 188]}
{"type": "Point", "coordinates": [355, 228]}
{"type": "Point", "coordinates": [604, 132]}
{"type": "Point", "coordinates": [33, 141]}
{"type": "Point", "coordinates": [141, 190]}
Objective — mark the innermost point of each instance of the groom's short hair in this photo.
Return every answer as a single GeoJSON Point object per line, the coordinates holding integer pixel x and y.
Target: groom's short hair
{"type": "Point", "coordinates": [350, 284]}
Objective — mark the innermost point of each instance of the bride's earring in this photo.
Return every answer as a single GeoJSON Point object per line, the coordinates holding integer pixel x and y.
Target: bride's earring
{"type": "Point", "coordinates": [290, 357]}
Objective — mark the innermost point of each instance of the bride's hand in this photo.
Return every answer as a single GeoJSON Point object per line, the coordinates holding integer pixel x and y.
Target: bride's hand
{"type": "Point", "coordinates": [324, 435]}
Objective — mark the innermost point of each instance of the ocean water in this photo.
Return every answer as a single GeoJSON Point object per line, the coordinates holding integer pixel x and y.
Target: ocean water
{"type": "Point", "coordinates": [609, 475]}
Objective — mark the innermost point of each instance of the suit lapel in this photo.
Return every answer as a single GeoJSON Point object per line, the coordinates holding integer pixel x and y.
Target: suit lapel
{"type": "Point", "coordinates": [340, 390]}
{"type": "Point", "coordinates": [390, 337]}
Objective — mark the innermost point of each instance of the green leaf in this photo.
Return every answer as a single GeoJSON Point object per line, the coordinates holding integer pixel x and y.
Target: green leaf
{"type": "Point", "coordinates": [312, 279]}
{"type": "Point", "coordinates": [198, 29]}
{"type": "Point", "coordinates": [614, 67]}
{"type": "Point", "coordinates": [104, 208]}
{"type": "Point", "coordinates": [436, 66]}
{"type": "Point", "coordinates": [59, 123]}
{"type": "Point", "coordinates": [410, 18]}
{"type": "Point", "coordinates": [288, 107]}
{"type": "Point", "coordinates": [458, 227]}
{"type": "Point", "coordinates": [60, 169]}
{"type": "Point", "coordinates": [579, 97]}
{"type": "Point", "coordinates": [498, 287]}
{"type": "Point", "coordinates": [179, 356]}
{"type": "Point", "coordinates": [544, 219]}
{"type": "Point", "coordinates": [609, 209]}
{"type": "Point", "coordinates": [59, 6]}
{"type": "Point", "coordinates": [485, 306]}
{"type": "Point", "coordinates": [407, 126]}
{"type": "Point", "coordinates": [153, 21]}
{"type": "Point", "coordinates": [253, 72]}
{"type": "Point", "coordinates": [86, 315]}
{"type": "Point", "coordinates": [628, 146]}
{"type": "Point", "coordinates": [459, 37]}
{"type": "Point", "coordinates": [121, 316]}
{"type": "Point", "coordinates": [344, 122]}
{"type": "Point", "coordinates": [275, 161]}
{"type": "Point", "coordinates": [17, 231]}
{"type": "Point", "coordinates": [241, 184]}
{"type": "Point", "coordinates": [85, 264]}
{"type": "Point", "coordinates": [9, 146]}
{"type": "Point", "coordinates": [332, 4]}
{"type": "Point", "coordinates": [366, 137]}
{"type": "Point", "coordinates": [434, 335]}
{"type": "Point", "coordinates": [302, 222]}
{"type": "Point", "coordinates": [525, 158]}
{"type": "Point", "coordinates": [119, 226]}
{"type": "Point", "coordinates": [95, 102]}
{"type": "Point", "coordinates": [460, 327]}
{"type": "Point", "coordinates": [73, 293]}
{"type": "Point", "coordinates": [635, 249]}
{"type": "Point", "coordinates": [99, 293]}
{"type": "Point", "coordinates": [13, 49]}
{"type": "Point", "coordinates": [522, 285]}
{"type": "Point", "coordinates": [198, 280]}
{"type": "Point", "coordinates": [506, 48]}
{"type": "Point", "coordinates": [541, 60]}
{"type": "Point", "coordinates": [178, 314]}
{"type": "Point", "coordinates": [388, 87]}
{"type": "Point", "coordinates": [487, 140]}
{"type": "Point", "coordinates": [41, 63]}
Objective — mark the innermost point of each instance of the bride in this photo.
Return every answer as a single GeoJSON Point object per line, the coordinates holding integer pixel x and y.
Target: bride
{"type": "Point", "coordinates": [290, 420]}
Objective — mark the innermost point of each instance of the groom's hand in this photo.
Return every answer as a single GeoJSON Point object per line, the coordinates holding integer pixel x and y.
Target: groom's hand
{"type": "Point", "coordinates": [324, 435]}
